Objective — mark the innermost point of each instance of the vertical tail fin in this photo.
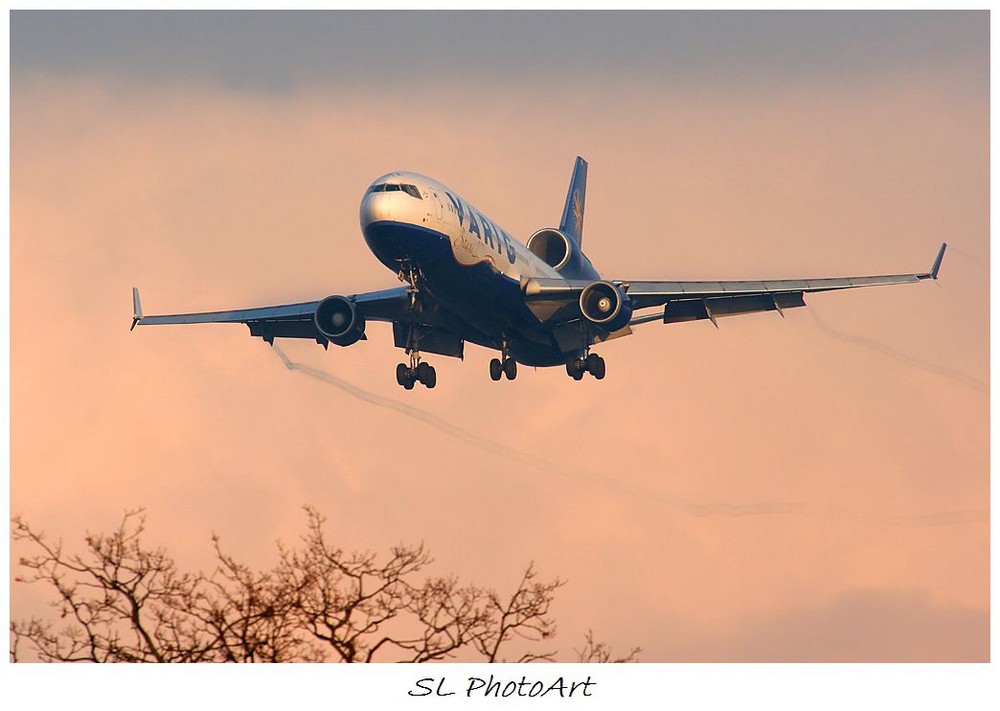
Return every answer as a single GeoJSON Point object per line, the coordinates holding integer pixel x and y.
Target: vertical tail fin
{"type": "Point", "coordinates": [572, 218]}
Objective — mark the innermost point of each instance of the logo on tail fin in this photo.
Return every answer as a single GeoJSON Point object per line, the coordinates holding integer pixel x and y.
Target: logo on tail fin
{"type": "Point", "coordinates": [577, 212]}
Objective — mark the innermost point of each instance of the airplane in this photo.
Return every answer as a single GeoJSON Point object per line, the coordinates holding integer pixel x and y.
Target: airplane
{"type": "Point", "coordinates": [466, 279]}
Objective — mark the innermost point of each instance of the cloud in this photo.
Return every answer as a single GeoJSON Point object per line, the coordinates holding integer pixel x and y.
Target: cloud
{"type": "Point", "coordinates": [688, 52]}
{"type": "Point", "coordinates": [869, 626]}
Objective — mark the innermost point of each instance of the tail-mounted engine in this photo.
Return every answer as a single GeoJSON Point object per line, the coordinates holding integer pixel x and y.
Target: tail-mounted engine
{"type": "Point", "coordinates": [561, 252]}
{"type": "Point", "coordinates": [605, 305]}
{"type": "Point", "coordinates": [551, 246]}
{"type": "Point", "coordinates": [339, 320]}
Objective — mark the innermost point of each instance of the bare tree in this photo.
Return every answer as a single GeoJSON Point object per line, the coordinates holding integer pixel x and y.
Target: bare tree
{"type": "Point", "coordinates": [601, 653]}
{"type": "Point", "coordinates": [120, 601]}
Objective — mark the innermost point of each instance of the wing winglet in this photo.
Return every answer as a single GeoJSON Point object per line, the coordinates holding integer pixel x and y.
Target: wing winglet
{"type": "Point", "coordinates": [136, 308]}
{"type": "Point", "coordinates": [937, 261]}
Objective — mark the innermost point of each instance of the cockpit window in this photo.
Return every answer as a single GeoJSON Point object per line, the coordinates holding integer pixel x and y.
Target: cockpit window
{"type": "Point", "coordinates": [410, 190]}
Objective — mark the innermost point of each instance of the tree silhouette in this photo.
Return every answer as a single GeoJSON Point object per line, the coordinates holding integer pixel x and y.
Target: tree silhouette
{"type": "Point", "coordinates": [120, 601]}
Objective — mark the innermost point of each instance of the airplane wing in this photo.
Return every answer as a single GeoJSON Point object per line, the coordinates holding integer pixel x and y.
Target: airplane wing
{"type": "Point", "coordinates": [285, 320]}
{"type": "Point", "coordinates": [693, 300]}
{"type": "Point", "coordinates": [552, 299]}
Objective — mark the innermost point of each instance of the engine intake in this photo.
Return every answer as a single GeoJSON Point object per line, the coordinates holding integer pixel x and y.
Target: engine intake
{"type": "Point", "coordinates": [606, 305]}
{"type": "Point", "coordinates": [561, 252]}
{"type": "Point", "coordinates": [551, 246]}
{"type": "Point", "coordinates": [339, 320]}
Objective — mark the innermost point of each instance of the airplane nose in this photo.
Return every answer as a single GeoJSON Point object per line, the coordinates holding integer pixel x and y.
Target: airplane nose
{"type": "Point", "coordinates": [373, 209]}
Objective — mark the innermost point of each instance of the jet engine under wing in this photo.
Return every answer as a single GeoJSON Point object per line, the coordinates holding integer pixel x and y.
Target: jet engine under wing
{"type": "Point", "coordinates": [285, 320]}
{"type": "Point", "coordinates": [554, 300]}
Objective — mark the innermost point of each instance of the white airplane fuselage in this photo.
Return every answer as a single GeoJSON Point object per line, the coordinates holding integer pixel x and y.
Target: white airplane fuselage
{"type": "Point", "coordinates": [467, 262]}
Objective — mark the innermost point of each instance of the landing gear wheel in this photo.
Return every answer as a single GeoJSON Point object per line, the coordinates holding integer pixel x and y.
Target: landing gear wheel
{"type": "Point", "coordinates": [496, 369]}
{"type": "Point", "coordinates": [596, 366]}
{"type": "Point", "coordinates": [510, 368]}
{"type": "Point", "coordinates": [574, 369]}
{"type": "Point", "coordinates": [600, 371]}
{"type": "Point", "coordinates": [422, 373]}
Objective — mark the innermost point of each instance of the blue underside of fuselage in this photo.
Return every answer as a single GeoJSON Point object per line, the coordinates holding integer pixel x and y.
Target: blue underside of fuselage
{"type": "Point", "coordinates": [485, 304]}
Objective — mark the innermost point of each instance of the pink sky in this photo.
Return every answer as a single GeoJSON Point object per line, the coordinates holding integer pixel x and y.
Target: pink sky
{"type": "Point", "coordinates": [208, 199]}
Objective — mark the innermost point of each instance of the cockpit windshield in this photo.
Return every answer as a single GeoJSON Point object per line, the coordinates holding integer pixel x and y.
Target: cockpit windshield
{"type": "Point", "coordinates": [410, 190]}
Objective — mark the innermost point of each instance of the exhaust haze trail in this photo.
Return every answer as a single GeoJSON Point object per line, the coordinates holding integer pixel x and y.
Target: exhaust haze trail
{"type": "Point", "coordinates": [691, 508]}
{"type": "Point", "coordinates": [890, 352]}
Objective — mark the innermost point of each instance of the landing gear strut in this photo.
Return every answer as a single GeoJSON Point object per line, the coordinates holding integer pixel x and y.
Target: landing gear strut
{"type": "Point", "coordinates": [504, 365]}
{"type": "Point", "coordinates": [417, 371]}
{"type": "Point", "coordinates": [410, 275]}
{"type": "Point", "coordinates": [592, 364]}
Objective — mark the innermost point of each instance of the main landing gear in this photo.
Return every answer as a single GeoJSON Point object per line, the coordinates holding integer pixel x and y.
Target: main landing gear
{"type": "Point", "coordinates": [417, 371]}
{"type": "Point", "coordinates": [592, 364]}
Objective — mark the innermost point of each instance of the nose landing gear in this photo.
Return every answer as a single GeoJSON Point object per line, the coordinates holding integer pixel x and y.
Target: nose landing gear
{"type": "Point", "coordinates": [417, 371]}
{"type": "Point", "coordinates": [411, 276]}
{"type": "Point", "coordinates": [592, 364]}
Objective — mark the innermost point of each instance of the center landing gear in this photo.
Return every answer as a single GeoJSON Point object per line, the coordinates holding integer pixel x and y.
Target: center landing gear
{"type": "Point", "coordinates": [417, 371]}
{"type": "Point", "coordinates": [592, 364]}
{"type": "Point", "coordinates": [504, 365]}
{"type": "Point", "coordinates": [499, 368]}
